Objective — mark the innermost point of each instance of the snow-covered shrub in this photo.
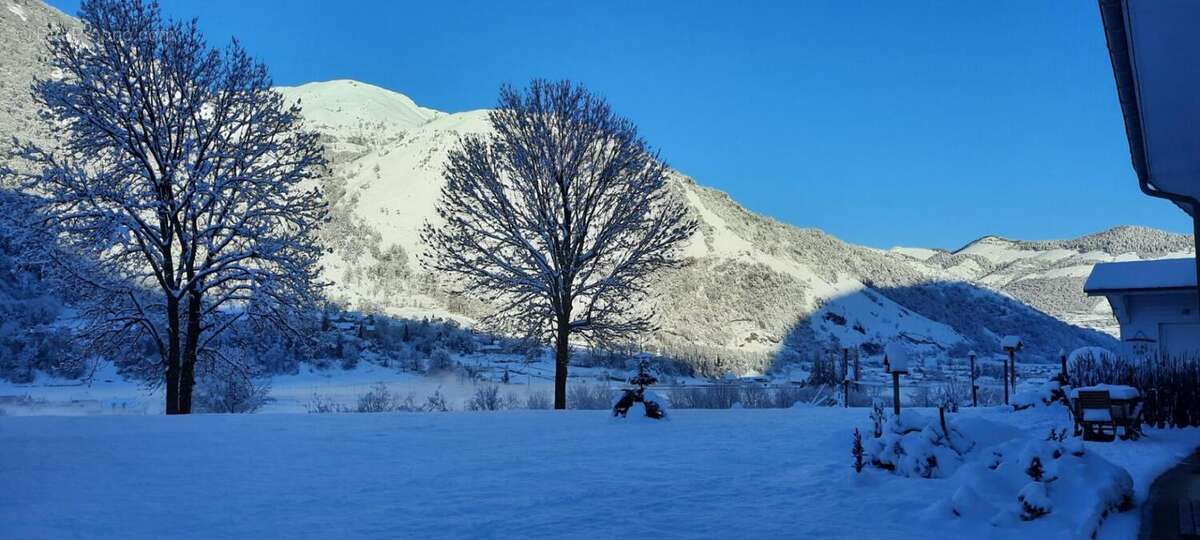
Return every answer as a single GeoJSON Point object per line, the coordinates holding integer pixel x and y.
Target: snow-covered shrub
{"type": "Point", "coordinates": [436, 402]}
{"type": "Point", "coordinates": [951, 394]}
{"type": "Point", "coordinates": [324, 405]}
{"type": "Point", "coordinates": [717, 396]}
{"type": "Point", "coordinates": [231, 392]}
{"type": "Point", "coordinates": [924, 396]}
{"type": "Point", "coordinates": [594, 397]}
{"type": "Point", "coordinates": [469, 373]}
{"type": "Point", "coordinates": [351, 352]}
{"type": "Point", "coordinates": [754, 396]}
{"type": "Point", "coordinates": [380, 399]}
{"type": "Point", "coordinates": [785, 397]}
{"type": "Point", "coordinates": [513, 401]}
{"type": "Point", "coordinates": [878, 417]}
{"type": "Point", "coordinates": [1024, 480]}
{"type": "Point", "coordinates": [1034, 501]}
{"type": "Point", "coordinates": [440, 361]}
{"type": "Point", "coordinates": [486, 398]}
{"type": "Point", "coordinates": [914, 445]}
{"type": "Point", "coordinates": [538, 400]}
{"type": "Point", "coordinates": [1039, 394]}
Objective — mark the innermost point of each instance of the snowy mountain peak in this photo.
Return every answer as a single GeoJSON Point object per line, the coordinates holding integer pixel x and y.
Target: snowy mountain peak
{"type": "Point", "coordinates": [347, 103]}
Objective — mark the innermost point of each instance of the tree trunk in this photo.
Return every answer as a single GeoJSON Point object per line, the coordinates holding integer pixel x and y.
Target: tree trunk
{"type": "Point", "coordinates": [562, 353]}
{"type": "Point", "coordinates": [172, 375]}
{"type": "Point", "coordinates": [187, 374]}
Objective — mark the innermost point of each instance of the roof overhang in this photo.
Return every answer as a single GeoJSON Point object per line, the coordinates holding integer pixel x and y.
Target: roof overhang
{"type": "Point", "coordinates": [1154, 46]}
{"type": "Point", "coordinates": [1160, 276]}
{"type": "Point", "coordinates": [1143, 291]}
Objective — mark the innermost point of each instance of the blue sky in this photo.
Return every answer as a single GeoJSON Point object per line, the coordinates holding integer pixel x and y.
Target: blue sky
{"type": "Point", "coordinates": [883, 123]}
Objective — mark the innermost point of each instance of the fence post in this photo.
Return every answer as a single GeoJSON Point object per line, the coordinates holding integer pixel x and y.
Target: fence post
{"type": "Point", "coordinates": [1012, 357]}
{"type": "Point", "coordinates": [845, 377]}
{"type": "Point", "coordinates": [1062, 356]}
{"type": "Point", "coordinates": [896, 393]}
{"type": "Point", "coordinates": [974, 387]}
{"type": "Point", "coordinates": [1006, 361]}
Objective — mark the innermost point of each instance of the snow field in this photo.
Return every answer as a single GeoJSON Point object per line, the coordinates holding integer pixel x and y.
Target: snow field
{"type": "Point", "coordinates": [577, 474]}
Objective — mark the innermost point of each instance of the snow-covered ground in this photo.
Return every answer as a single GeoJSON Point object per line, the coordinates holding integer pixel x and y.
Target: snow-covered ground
{"type": "Point", "coordinates": [581, 474]}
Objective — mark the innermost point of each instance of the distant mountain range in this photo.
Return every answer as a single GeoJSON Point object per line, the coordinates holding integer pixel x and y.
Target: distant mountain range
{"type": "Point", "coordinates": [753, 286]}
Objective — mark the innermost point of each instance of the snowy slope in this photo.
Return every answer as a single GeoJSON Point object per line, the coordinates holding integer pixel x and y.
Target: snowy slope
{"type": "Point", "coordinates": [352, 104]}
{"type": "Point", "coordinates": [1049, 275]}
{"type": "Point", "coordinates": [753, 285]}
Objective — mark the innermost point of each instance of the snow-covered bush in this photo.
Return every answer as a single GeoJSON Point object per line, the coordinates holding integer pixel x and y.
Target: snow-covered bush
{"type": "Point", "coordinates": [436, 402]}
{"type": "Point", "coordinates": [380, 399]}
{"type": "Point", "coordinates": [915, 445]}
{"type": "Point", "coordinates": [952, 394]}
{"type": "Point", "coordinates": [538, 399]}
{"type": "Point", "coordinates": [786, 397]}
{"type": "Point", "coordinates": [754, 396]}
{"type": "Point", "coordinates": [231, 392]}
{"type": "Point", "coordinates": [1025, 480]}
{"type": "Point", "coordinates": [440, 361]}
{"type": "Point", "coordinates": [594, 397]}
{"type": "Point", "coordinates": [717, 396]}
{"type": "Point", "coordinates": [1038, 394]}
{"type": "Point", "coordinates": [486, 398]}
{"type": "Point", "coordinates": [878, 418]}
{"type": "Point", "coordinates": [324, 405]}
{"type": "Point", "coordinates": [729, 395]}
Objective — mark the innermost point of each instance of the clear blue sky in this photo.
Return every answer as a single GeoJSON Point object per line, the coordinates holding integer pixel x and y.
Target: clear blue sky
{"type": "Point", "coordinates": [884, 123]}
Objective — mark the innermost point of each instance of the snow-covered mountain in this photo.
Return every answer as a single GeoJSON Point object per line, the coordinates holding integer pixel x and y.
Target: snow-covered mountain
{"type": "Point", "coordinates": [753, 286]}
{"type": "Point", "coordinates": [1049, 275]}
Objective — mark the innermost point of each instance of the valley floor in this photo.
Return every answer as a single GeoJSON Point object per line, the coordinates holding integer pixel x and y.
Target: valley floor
{"type": "Point", "coordinates": [745, 473]}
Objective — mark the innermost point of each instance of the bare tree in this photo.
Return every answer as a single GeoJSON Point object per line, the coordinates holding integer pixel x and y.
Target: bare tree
{"type": "Point", "coordinates": [180, 186]}
{"type": "Point", "coordinates": [558, 219]}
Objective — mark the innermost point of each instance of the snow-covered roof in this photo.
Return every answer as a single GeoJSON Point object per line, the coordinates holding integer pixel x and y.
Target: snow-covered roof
{"type": "Point", "coordinates": [897, 357]}
{"type": "Point", "coordinates": [1162, 274]}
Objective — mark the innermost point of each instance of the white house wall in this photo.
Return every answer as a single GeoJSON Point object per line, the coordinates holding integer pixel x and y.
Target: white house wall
{"type": "Point", "coordinates": [1143, 316]}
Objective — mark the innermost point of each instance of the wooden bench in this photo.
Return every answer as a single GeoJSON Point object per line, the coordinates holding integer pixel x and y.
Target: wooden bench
{"type": "Point", "coordinates": [1095, 415]}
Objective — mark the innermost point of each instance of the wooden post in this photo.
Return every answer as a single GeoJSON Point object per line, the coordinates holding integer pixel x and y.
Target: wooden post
{"type": "Point", "coordinates": [857, 371]}
{"type": "Point", "coordinates": [974, 387]}
{"type": "Point", "coordinates": [845, 377]}
{"type": "Point", "coordinates": [1012, 366]}
{"type": "Point", "coordinates": [896, 393]}
{"type": "Point", "coordinates": [1006, 378]}
{"type": "Point", "coordinates": [1062, 356]}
